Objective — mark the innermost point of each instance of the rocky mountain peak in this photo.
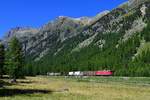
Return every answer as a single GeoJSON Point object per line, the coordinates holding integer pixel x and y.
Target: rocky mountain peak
{"type": "Point", "coordinates": [20, 31]}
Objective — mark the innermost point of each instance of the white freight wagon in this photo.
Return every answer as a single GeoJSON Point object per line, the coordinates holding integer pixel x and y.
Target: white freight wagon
{"type": "Point", "coordinates": [71, 73]}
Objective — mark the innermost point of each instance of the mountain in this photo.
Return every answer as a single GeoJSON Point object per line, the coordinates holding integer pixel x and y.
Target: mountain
{"type": "Point", "coordinates": [117, 40]}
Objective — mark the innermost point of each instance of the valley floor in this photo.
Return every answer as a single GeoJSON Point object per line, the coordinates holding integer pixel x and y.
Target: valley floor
{"type": "Point", "coordinates": [71, 88]}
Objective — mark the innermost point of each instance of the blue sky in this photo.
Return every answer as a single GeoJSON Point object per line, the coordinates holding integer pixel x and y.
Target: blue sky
{"type": "Point", "coordinates": [36, 13]}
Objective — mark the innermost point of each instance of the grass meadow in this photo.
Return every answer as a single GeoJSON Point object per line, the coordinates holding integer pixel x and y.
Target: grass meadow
{"type": "Point", "coordinates": [77, 88]}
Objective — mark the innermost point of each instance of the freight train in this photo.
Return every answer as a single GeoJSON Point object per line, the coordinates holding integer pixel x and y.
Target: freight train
{"type": "Point", "coordinates": [91, 73]}
{"type": "Point", "coordinates": [84, 73]}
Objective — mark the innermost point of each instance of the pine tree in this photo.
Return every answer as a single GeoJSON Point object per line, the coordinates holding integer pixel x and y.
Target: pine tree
{"type": "Point", "coordinates": [2, 58]}
{"type": "Point", "coordinates": [16, 59]}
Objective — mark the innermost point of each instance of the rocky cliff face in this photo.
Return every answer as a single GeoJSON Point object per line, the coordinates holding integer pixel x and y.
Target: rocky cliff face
{"type": "Point", "coordinates": [135, 3]}
{"type": "Point", "coordinates": [38, 41]}
{"type": "Point", "coordinates": [53, 36]}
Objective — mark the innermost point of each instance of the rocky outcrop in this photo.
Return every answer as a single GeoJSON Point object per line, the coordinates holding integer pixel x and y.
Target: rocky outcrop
{"type": "Point", "coordinates": [135, 3]}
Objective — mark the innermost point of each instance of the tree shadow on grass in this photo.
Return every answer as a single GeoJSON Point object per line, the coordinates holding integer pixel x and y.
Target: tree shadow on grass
{"type": "Point", "coordinates": [26, 82]}
{"type": "Point", "coordinates": [11, 92]}
{"type": "Point", "coordinates": [3, 83]}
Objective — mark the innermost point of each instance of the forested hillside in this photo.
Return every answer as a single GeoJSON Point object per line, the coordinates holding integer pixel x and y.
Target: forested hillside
{"type": "Point", "coordinates": [118, 40]}
{"type": "Point", "coordinates": [129, 58]}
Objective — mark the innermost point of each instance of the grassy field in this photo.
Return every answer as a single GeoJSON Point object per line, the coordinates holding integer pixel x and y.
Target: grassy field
{"type": "Point", "coordinates": [89, 88]}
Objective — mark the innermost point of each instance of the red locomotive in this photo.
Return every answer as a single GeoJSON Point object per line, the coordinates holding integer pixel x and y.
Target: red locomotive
{"type": "Point", "coordinates": [104, 73]}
